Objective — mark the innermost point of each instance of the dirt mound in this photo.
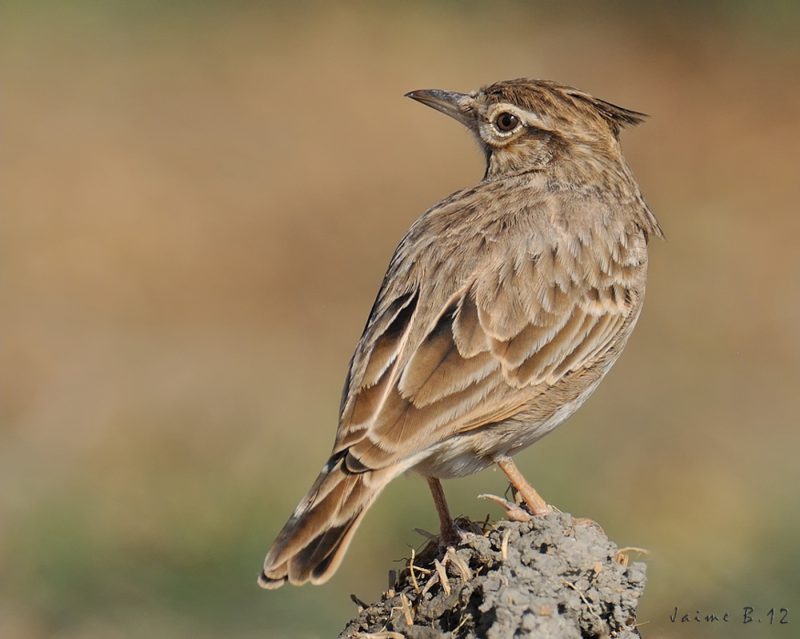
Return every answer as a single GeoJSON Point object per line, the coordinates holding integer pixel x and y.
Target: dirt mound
{"type": "Point", "coordinates": [554, 576]}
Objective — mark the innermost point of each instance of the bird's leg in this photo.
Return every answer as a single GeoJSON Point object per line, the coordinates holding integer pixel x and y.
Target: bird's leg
{"type": "Point", "coordinates": [534, 501]}
{"type": "Point", "coordinates": [449, 531]}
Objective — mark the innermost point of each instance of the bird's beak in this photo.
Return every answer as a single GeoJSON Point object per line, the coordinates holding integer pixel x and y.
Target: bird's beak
{"type": "Point", "coordinates": [457, 105]}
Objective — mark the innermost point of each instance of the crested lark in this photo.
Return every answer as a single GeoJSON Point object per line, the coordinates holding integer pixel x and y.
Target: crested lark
{"type": "Point", "coordinates": [503, 307]}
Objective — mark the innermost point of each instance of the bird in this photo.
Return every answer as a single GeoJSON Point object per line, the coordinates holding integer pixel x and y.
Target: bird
{"type": "Point", "coordinates": [503, 307]}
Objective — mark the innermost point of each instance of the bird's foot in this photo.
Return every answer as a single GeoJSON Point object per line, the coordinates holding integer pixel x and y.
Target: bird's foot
{"type": "Point", "coordinates": [533, 500]}
{"type": "Point", "coordinates": [451, 535]}
{"type": "Point", "coordinates": [514, 512]}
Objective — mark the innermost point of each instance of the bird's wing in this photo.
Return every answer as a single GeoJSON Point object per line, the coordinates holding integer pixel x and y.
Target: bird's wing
{"type": "Point", "coordinates": [444, 353]}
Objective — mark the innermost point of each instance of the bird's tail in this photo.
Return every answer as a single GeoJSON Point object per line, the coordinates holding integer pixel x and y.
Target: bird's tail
{"type": "Point", "coordinates": [312, 543]}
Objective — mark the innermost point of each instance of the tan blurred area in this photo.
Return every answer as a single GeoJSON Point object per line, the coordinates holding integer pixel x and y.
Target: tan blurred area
{"type": "Point", "coordinates": [197, 204]}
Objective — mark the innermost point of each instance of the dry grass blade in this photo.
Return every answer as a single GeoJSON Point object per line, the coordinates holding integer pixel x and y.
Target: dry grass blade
{"type": "Point", "coordinates": [463, 569]}
{"type": "Point", "coordinates": [504, 545]}
{"type": "Point", "coordinates": [588, 603]}
{"type": "Point", "coordinates": [411, 572]}
{"type": "Point", "coordinates": [622, 557]}
{"type": "Point", "coordinates": [434, 579]}
{"type": "Point", "coordinates": [442, 576]}
{"type": "Point", "coordinates": [406, 608]}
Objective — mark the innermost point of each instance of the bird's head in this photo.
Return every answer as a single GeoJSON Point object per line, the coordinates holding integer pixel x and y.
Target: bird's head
{"type": "Point", "coordinates": [526, 124]}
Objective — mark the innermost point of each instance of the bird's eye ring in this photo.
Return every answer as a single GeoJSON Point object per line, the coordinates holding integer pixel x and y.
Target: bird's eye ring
{"type": "Point", "coordinates": [506, 122]}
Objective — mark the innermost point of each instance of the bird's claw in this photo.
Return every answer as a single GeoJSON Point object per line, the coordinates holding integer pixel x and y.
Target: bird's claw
{"type": "Point", "coordinates": [514, 512]}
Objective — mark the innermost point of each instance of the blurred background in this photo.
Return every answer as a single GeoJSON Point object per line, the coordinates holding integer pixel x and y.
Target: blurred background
{"type": "Point", "coordinates": [197, 204]}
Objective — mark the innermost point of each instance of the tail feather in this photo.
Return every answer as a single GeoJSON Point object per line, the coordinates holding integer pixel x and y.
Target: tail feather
{"type": "Point", "coordinates": [312, 543]}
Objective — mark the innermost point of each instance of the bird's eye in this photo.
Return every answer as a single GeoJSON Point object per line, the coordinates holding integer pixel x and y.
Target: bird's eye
{"type": "Point", "coordinates": [506, 122]}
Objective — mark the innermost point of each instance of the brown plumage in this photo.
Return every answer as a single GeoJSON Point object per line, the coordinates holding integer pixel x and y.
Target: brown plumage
{"type": "Point", "coordinates": [503, 307]}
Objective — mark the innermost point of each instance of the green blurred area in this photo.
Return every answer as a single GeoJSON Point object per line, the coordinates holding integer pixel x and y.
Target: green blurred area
{"type": "Point", "coordinates": [198, 204]}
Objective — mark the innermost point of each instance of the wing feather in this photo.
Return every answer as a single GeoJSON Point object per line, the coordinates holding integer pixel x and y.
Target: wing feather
{"type": "Point", "coordinates": [469, 336]}
{"type": "Point", "coordinates": [468, 342]}
{"type": "Point", "coordinates": [387, 345]}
